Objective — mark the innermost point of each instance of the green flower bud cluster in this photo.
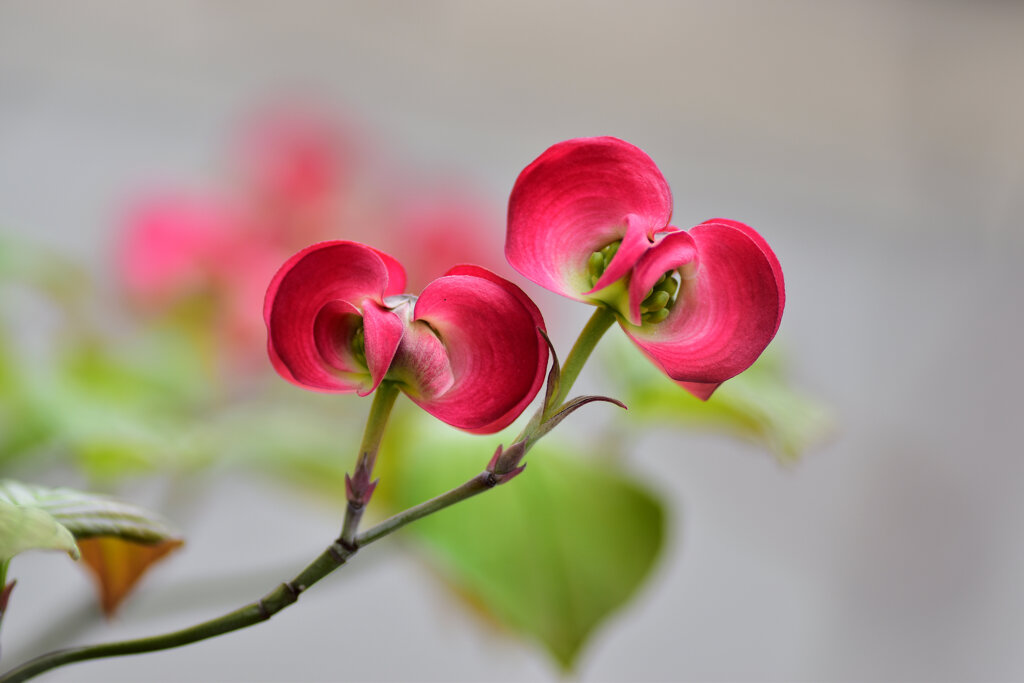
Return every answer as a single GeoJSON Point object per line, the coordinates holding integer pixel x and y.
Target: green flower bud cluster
{"type": "Point", "coordinates": [599, 261]}
{"type": "Point", "coordinates": [658, 303]}
{"type": "Point", "coordinates": [659, 300]}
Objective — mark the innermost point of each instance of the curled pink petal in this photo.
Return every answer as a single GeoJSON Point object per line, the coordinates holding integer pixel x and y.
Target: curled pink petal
{"type": "Point", "coordinates": [382, 331]}
{"type": "Point", "coordinates": [498, 359]}
{"type": "Point", "coordinates": [701, 391]}
{"type": "Point", "coordinates": [422, 365]}
{"type": "Point", "coordinates": [538, 321]}
{"type": "Point", "coordinates": [726, 312]}
{"type": "Point", "coordinates": [336, 323]}
{"type": "Point", "coordinates": [396, 273]}
{"type": "Point", "coordinates": [673, 251]}
{"type": "Point", "coordinates": [756, 238]}
{"type": "Point", "coordinates": [305, 284]}
{"type": "Point", "coordinates": [573, 200]}
{"type": "Point", "coordinates": [520, 295]}
{"type": "Point", "coordinates": [635, 242]}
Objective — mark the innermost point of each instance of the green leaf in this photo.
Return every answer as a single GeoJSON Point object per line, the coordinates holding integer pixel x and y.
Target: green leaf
{"type": "Point", "coordinates": [552, 554]}
{"type": "Point", "coordinates": [31, 528]}
{"type": "Point", "coordinates": [87, 515]}
{"type": "Point", "coordinates": [757, 405]}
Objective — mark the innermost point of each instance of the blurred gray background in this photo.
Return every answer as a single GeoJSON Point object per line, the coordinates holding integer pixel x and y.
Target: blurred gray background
{"type": "Point", "coordinates": [878, 146]}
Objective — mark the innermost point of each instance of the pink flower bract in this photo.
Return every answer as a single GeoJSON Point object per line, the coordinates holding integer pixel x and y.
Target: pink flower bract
{"type": "Point", "coordinates": [467, 350]}
{"type": "Point", "coordinates": [589, 219]}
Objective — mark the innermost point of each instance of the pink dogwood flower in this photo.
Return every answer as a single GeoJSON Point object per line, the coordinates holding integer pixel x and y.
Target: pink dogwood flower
{"type": "Point", "coordinates": [589, 219]}
{"type": "Point", "coordinates": [467, 350]}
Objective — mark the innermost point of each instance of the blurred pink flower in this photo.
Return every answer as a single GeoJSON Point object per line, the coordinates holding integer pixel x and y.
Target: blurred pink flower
{"type": "Point", "coordinates": [589, 219]}
{"type": "Point", "coordinates": [432, 232]}
{"type": "Point", "coordinates": [169, 247]}
{"type": "Point", "coordinates": [467, 350]}
{"type": "Point", "coordinates": [295, 167]}
{"type": "Point", "coordinates": [180, 250]}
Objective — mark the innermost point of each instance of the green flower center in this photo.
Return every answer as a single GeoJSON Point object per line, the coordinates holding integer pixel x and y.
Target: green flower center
{"type": "Point", "coordinates": [358, 345]}
{"type": "Point", "coordinates": [657, 303]}
{"type": "Point", "coordinates": [659, 300]}
{"type": "Point", "coordinates": [599, 261]}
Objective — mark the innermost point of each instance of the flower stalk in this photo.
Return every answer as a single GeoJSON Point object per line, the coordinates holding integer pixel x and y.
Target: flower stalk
{"type": "Point", "coordinates": [599, 323]}
{"type": "Point", "coordinates": [359, 486]}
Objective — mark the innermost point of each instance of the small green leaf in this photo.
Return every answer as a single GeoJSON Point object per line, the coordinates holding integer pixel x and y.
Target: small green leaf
{"type": "Point", "coordinates": [86, 515]}
{"type": "Point", "coordinates": [31, 528]}
{"type": "Point", "coordinates": [552, 554]}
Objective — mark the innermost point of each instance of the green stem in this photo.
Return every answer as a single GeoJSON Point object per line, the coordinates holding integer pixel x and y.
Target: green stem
{"type": "Point", "coordinates": [376, 421]}
{"type": "Point", "coordinates": [592, 332]}
{"type": "Point", "coordinates": [284, 595]}
{"type": "Point", "coordinates": [478, 484]}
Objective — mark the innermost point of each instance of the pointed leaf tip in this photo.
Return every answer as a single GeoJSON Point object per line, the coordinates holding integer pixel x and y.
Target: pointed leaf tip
{"type": "Point", "coordinates": [494, 458]}
{"type": "Point", "coordinates": [118, 565]}
{"type": "Point", "coordinates": [500, 479]}
{"type": "Point", "coordinates": [571, 407]}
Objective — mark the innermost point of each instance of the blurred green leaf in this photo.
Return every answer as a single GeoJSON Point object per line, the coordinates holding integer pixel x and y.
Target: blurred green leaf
{"type": "Point", "coordinates": [305, 440]}
{"type": "Point", "coordinates": [30, 528]}
{"type": "Point", "coordinates": [155, 372]}
{"type": "Point", "coordinates": [116, 409]}
{"type": "Point", "coordinates": [26, 526]}
{"type": "Point", "coordinates": [550, 555]}
{"type": "Point", "coordinates": [22, 426]}
{"type": "Point", "coordinates": [87, 515]}
{"type": "Point", "coordinates": [757, 405]}
{"type": "Point", "coordinates": [126, 410]}
{"type": "Point", "coordinates": [43, 269]}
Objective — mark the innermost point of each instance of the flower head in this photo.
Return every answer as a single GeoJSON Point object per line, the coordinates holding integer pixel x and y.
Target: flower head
{"type": "Point", "coordinates": [589, 219]}
{"type": "Point", "coordinates": [467, 349]}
